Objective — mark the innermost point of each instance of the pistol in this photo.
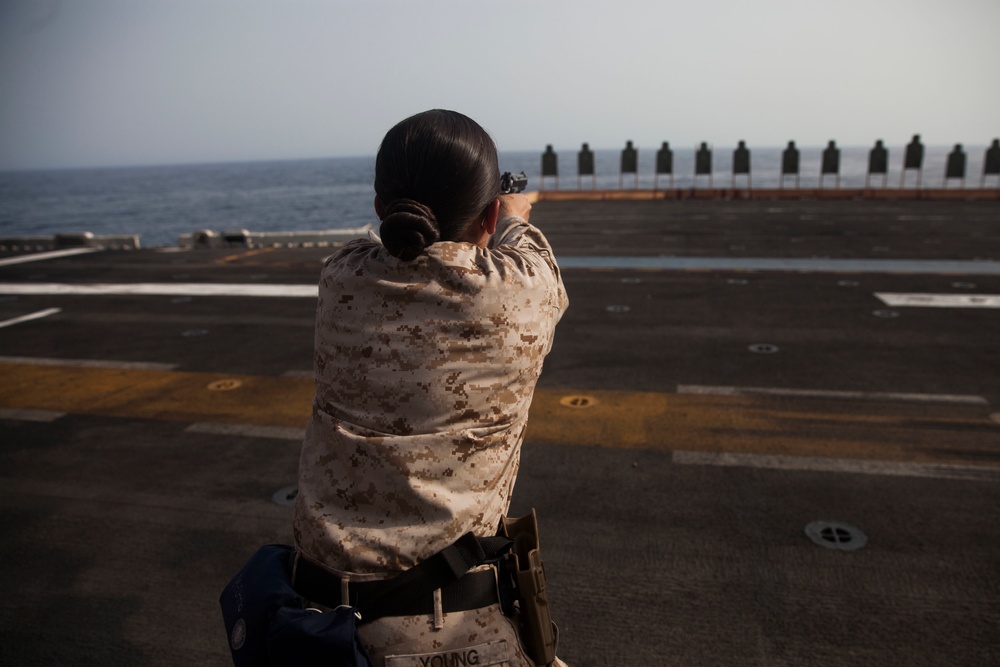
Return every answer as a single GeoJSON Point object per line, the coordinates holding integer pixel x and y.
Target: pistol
{"type": "Point", "coordinates": [511, 183]}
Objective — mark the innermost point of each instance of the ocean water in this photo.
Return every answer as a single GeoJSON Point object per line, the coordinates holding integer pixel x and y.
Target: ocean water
{"type": "Point", "coordinates": [160, 203]}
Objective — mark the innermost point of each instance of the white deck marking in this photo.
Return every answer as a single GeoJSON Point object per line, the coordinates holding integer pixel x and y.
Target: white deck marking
{"type": "Point", "coordinates": [52, 254]}
{"type": "Point", "coordinates": [822, 464]}
{"type": "Point", "coordinates": [159, 289]}
{"type": "Point", "coordinates": [33, 316]}
{"type": "Point", "coordinates": [249, 431]}
{"type": "Point", "coordinates": [823, 393]}
{"type": "Point", "coordinates": [939, 300]}
{"type": "Point", "coordinates": [89, 363]}
{"type": "Point", "coordinates": [26, 415]}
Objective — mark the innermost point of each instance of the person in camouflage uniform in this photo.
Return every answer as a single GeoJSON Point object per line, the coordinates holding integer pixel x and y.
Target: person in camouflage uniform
{"type": "Point", "coordinates": [428, 345]}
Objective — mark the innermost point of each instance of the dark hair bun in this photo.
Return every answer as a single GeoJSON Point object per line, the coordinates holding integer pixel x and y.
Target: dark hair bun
{"type": "Point", "coordinates": [408, 227]}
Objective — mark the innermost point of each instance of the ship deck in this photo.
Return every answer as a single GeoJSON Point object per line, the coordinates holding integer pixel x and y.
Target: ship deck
{"type": "Point", "coordinates": [729, 372]}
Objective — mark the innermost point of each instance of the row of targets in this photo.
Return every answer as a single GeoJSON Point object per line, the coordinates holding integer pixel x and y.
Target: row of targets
{"type": "Point", "coordinates": [878, 164]}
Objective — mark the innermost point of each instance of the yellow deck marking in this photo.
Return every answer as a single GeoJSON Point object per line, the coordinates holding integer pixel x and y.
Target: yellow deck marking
{"type": "Point", "coordinates": [151, 394]}
{"type": "Point", "coordinates": [781, 426]}
{"type": "Point", "coordinates": [243, 255]}
{"type": "Point", "coordinates": [767, 425]}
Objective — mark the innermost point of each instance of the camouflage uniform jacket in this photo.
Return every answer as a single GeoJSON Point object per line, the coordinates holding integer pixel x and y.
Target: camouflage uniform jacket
{"type": "Point", "coordinates": [424, 374]}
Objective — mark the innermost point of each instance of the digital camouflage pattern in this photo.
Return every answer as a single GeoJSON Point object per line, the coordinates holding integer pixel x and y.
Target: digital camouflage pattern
{"type": "Point", "coordinates": [424, 374]}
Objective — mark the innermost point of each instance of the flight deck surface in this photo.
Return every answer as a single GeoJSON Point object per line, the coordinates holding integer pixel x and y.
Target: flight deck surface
{"type": "Point", "coordinates": [728, 373]}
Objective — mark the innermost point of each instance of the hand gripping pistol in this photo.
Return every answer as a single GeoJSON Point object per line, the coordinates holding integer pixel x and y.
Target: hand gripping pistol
{"type": "Point", "coordinates": [511, 183]}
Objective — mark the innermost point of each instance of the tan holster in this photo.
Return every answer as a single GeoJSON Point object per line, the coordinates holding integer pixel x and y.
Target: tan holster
{"type": "Point", "coordinates": [523, 590]}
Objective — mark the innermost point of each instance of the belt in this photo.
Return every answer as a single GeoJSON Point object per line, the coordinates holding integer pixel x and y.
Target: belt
{"type": "Point", "coordinates": [472, 591]}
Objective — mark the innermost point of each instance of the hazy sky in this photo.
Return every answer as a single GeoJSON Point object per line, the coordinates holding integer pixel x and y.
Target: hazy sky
{"type": "Point", "coordinates": [108, 82]}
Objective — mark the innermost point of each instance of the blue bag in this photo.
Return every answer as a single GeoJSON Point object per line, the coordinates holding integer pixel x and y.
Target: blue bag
{"type": "Point", "coordinates": [268, 624]}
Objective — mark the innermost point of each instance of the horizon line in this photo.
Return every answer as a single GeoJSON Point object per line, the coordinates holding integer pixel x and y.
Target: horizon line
{"type": "Point", "coordinates": [355, 156]}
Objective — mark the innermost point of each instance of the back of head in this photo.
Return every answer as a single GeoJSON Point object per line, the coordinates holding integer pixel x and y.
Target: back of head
{"type": "Point", "coordinates": [434, 173]}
